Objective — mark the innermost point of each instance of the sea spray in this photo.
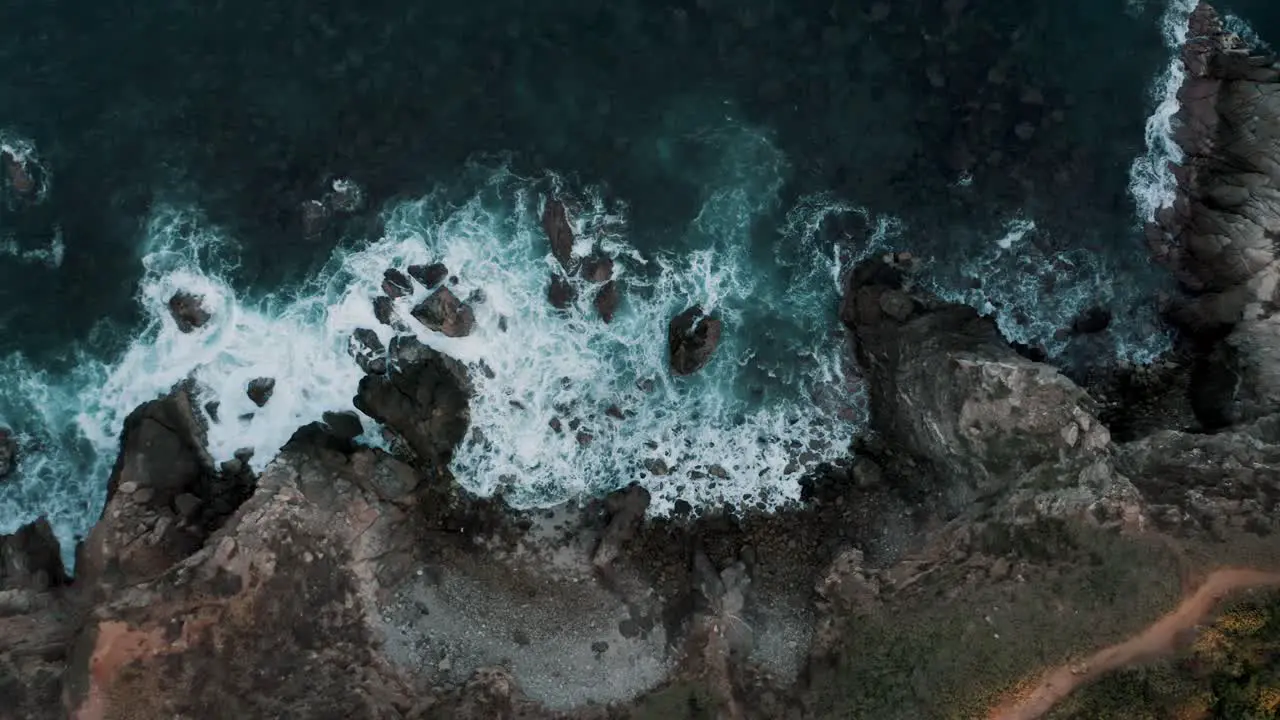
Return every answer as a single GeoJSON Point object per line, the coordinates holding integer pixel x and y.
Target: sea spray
{"type": "Point", "coordinates": [1151, 182]}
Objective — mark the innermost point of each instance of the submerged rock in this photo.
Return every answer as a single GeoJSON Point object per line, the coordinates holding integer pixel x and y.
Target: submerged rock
{"type": "Point", "coordinates": [607, 300]}
{"type": "Point", "coordinates": [443, 312]}
{"type": "Point", "coordinates": [188, 311]}
{"type": "Point", "coordinates": [8, 452]}
{"type": "Point", "coordinates": [555, 223]}
{"type": "Point", "coordinates": [260, 390]}
{"type": "Point", "coordinates": [598, 268]}
{"type": "Point", "coordinates": [692, 338]}
{"type": "Point", "coordinates": [431, 276]}
{"type": "Point", "coordinates": [561, 293]}
{"type": "Point", "coordinates": [315, 217]}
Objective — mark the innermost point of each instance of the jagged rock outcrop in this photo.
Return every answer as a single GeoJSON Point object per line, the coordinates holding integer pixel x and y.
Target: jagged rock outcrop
{"type": "Point", "coordinates": [555, 223]}
{"type": "Point", "coordinates": [431, 276]}
{"type": "Point", "coordinates": [188, 311]}
{"type": "Point", "coordinates": [164, 497]}
{"type": "Point", "coordinates": [1220, 235]}
{"type": "Point", "coordinates": [260, 390]}
{"type": "Point", "coordinates": [946, 387]}
{"type": "Point", "coordinates": [274, 616]}
{"type": "Point", "coordinates": [692, 338]}
{"type": "Point", "coordinates": [423, 399]}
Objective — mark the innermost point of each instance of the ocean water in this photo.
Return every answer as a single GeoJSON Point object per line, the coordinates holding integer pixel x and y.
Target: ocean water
{"type": "Point", "coordinates": [736, 155]}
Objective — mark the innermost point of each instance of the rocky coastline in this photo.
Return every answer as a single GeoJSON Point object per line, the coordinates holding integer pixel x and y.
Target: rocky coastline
{"type": "Point", "coordinates": [1007, 542]}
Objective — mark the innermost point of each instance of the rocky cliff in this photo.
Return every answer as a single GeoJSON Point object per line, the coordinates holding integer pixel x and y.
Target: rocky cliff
{"type": "Point", "coordinates": [1220, 235]}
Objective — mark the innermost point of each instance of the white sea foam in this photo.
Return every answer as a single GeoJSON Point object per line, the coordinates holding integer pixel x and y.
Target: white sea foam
{"type": "Point", "coordinates": [1035, 293]}
{"type": "Point", "coordinates": [777, 399]}
{"type": "Point", "coordinates": [1151, 182]}
{"type": "Point", "coordinates": [1233, 23]}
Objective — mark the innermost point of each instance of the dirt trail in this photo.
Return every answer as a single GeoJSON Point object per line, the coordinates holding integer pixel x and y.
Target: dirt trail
{"type": "Point", "coordinates": [1159, 639]}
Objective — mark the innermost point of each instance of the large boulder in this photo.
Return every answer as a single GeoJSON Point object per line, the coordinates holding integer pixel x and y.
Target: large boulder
{"type": "Point", "coordinates": [1219, 237]}
{"type": "Point", "coordinates": [423, 399]}
{"type": "Point", "coordinates": [443, 312]}
{"type": "Point", "coordinates": [946, 387]}
{"type": "Point", "coordinates": [555, 223]}
{"type": "Point", "coordinates": [692, 338]}
{"type": "Point", "coordinates": [260, 390]}
{"type": "Point", "coordinates": [188, 311]}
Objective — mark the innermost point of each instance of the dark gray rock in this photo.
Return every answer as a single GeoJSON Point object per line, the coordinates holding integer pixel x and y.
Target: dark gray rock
{"type": "Point", "coordinates": [431, 276]}
{"type": "Point", "coordinates": [443, 312]}
{"type": "Point", "coordinates": [692, 338]}
{"type": "Point", "coordinates": [396, 284]}
{"type": "Point", "coordinates": [424, 399]}
{"type": "Point", "coordinates": [345, 425]}
{"type": "Point", "coordinates": [260, 390]}
{"type": "Point", "coordinates": [561, 293]}
{"type": "Point", "coordinates": [188, 311]}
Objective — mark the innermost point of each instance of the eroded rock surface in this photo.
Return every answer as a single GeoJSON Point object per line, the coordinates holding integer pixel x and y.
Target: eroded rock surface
{"type": "Point", "coordinates": [946, 387]}
{"type": "Point", "coordinates": [188, 311]}
{"type": "Point", "coordinates": [1220, 235]}
{"type": "Point", "coordinates": [692, 338]}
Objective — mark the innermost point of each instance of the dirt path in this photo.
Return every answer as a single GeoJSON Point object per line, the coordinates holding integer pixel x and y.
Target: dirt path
{"type": "Point", "coordinates": [1159, 639]}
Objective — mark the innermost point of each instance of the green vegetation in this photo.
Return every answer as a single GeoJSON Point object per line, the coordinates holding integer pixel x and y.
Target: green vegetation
{"type": "Point", "coordinates": [1230, 672]}
{"type": "Point", "coordinates": [953, 653]}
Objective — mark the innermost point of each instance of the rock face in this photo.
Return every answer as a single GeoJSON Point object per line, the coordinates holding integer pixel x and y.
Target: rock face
{"type": "Point", "coordinates": [443, 312]}
{"type": "Point", "coordinates": [142, 531]}
{"type": "Point", "coordinates": [269, 619]}
{"type": "Point", "coordinates": [188, 311]}
{"type": "Point", "coordinates": [692, 338]}
{"type": "Point", "coordinates": [1220, 235]}
{"type": "Point", "coordinates": [260, 390]}
{"type": "Point", "coordinates": [423, 399]}
{"type": "Point", "coordinates": [555, 223]}
{"type": "Point", "coordinates": [8, 452]}
{"type": "Point", "coordinates": [946, 387]}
